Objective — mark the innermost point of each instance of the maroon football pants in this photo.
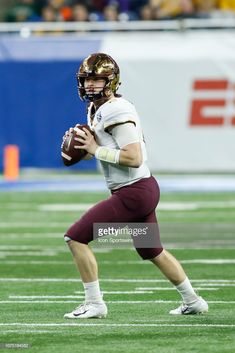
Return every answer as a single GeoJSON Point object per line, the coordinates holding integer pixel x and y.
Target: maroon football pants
{"type": "Point", "coordinates": [132, 203]}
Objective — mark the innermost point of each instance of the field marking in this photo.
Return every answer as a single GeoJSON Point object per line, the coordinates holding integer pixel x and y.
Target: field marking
{"type": "Point", "coordinates": [33, 224]}
{"type": "Point", "coordinates": [29, 331]}
{"type": "Point", "coordinates": [35, 262]}
{"type": "Point", "coordinates": [19, 205]}
{"type": "Point", "coordinates": [74, 296]}
{"type": "Point", "coordinates": [203, 286]}
{"type": "Point", "coordinates": [39, 301]}
{"type": "Point", "coordinates": [31, 247]}
{"type": "Point", "coordinates": [46, 296]}
{"type": "Point", "coordinates": [24, 250]}
{"type": "Point", "coordinates": [62, 207]}
{"type": "Point", "coordinates": [109, 301]}
{"type": "Point", "coordinates": [21, 324]}
{"type": "Point", "coordinates": [37, 235]}
{"type": "Point", "coordinates": [104, 262]}
{"type": "Point", "coordinates": [193, 261]}
{"type": "Point", "coordinates": [107, 280]}
{"type": "Point", "coordinates": [219, 284]}
{"type": "Point", "coordinates": [45, 253]}
{"type": "Point", "coordinates": [209, 261]}
{"type": "Point", "coordinates": [62, 224]}
{"type": "Point", "coordinates": [189, 205]}
{"type": "Point", "coordinates": [173, 289]}
{"type": "Point", "coordinates": [163, 206]}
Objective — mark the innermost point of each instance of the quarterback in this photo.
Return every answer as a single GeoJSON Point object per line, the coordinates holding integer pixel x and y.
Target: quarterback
{"type": "Point", "coordinates": [119, 145]}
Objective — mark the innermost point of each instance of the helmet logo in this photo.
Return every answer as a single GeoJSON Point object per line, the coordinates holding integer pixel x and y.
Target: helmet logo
{"type": "Point", "coordinates": [99, 117]}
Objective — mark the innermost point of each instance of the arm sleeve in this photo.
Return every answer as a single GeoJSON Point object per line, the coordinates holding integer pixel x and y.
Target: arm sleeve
{"type": "Point", "coordinates": [124, 134]}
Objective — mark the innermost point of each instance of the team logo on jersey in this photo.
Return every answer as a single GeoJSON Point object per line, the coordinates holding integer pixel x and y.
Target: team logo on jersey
{"type": "Point", "coordinates": [99, 117]}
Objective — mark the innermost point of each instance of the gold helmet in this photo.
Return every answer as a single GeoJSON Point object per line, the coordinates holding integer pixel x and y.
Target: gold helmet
{"type": "Point", "coordinates": [102, 66]}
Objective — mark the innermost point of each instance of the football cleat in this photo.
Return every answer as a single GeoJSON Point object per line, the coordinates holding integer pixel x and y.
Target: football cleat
{"type": "Point", "coordinates": [88, 311]}
{"type": "Point", "coordinates": [200, 306]}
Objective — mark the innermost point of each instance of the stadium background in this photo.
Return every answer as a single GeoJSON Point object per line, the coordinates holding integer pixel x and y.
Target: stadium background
{"type": "Point", "coordinates": [182, 85]}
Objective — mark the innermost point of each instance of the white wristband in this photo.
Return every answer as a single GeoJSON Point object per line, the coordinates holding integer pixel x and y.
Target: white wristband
{"type": "Point", "coordinates": [107, 154]}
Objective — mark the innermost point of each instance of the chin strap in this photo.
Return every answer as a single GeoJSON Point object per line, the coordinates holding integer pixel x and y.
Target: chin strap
{"type": "Point", "coordinates": [96, 96]}
{"type": "Point", "coordinates": [93, 97]}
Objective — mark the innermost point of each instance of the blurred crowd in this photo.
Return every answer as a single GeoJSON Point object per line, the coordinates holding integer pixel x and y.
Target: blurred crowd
{"type": "Point", "coordinates": [115, 10]}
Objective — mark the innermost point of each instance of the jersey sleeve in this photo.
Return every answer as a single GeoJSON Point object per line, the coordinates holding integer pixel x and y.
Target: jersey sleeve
{"type": "Point", "coordinates": [125, 134]}
{"type": "Point", "coordinates": [117, 112]}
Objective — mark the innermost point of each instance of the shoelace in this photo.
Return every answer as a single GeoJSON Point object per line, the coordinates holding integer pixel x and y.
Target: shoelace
{"type": "Point", "coordinates": [81, 306]}
{"type": "Point", "coordinates": [184, 308]}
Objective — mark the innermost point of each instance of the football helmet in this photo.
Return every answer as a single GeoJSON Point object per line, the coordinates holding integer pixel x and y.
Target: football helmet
{"type": "Point", "coordinates": [102, 66]}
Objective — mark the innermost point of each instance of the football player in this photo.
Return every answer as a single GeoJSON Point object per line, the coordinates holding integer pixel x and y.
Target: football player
{"type": "Point", "coordinates": [120, 147]}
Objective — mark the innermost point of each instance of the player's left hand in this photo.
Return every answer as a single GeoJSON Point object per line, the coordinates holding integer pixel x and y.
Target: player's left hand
{"type": "Point", "coordinates": [88, 142]}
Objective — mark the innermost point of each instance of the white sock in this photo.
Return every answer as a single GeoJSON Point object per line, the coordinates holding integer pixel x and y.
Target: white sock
{"type": "Point", "coordinates": [186, 291]}
{"type": "Point", "coordinates": [92, 292]}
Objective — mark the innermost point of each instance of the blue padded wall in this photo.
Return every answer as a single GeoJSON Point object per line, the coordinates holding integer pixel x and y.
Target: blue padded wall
{"type": "Point", "coordinates": [39, 102]}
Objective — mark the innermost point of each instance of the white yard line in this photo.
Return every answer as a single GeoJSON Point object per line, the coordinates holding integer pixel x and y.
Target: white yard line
{"type": "Point", "coordinates": [69, 207]}
{"type": "Point", "coordinates": [40, 225]}
{"type": "Point", "coordinates": [194, 261]}
{"type": "Point", "coordinates": [38, 301]}
{"type": "Point", "coordinates": [163, 206]}
{"type": "Point", "coordinates": [108, 301]}
{"type": "Point", "coordinates": [69, 324]}
{"type": "Point", "coordinates": [45, 253]}
{"type": "Point", "coordinates": [202, 286]}
{"type": "Point", "coordinates": [29, 297]}
{"type": "Point", "coordinates": [59, 235]}
{"type": "Point", "coordinates": [19, 205]}
{"type": "Point", "coordinates": [23, 330]}
{"type": "Point", "coordinates": [73, 296]}
{"type": "Point", "coordinates": [173, 289]}
{"type": "Point", "coordinates": [219, 284]}
{"type": "Point", "coordinates": [146, 290]}
{"type": "Point", "coordinates": [37, 235]}
{"type": "Point", "coordinates": [209, 261]}
{"type": "Point", "coordinates": [31, 247]}
{"type": "Point", "coordinates": [102, 262]}
{"type": "Point", "coordinates": [108, 280]}
{"type": "Point", "coordinates": [35, 262]}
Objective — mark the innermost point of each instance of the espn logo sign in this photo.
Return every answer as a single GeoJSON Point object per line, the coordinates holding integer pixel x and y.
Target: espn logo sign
{"type": "Point", "coordinates": [213, 103]}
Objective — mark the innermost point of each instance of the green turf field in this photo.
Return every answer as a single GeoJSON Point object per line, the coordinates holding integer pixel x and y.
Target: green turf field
{"type": "Point", "coordinates": [39, 282]}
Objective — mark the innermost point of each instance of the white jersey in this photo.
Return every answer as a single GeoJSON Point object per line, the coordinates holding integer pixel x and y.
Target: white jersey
{"type": "Point", "coordinates": [113, 112]}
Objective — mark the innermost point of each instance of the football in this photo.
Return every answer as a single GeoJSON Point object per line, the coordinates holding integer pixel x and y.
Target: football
{"type": "Point", "coordinates": [69, 154]}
